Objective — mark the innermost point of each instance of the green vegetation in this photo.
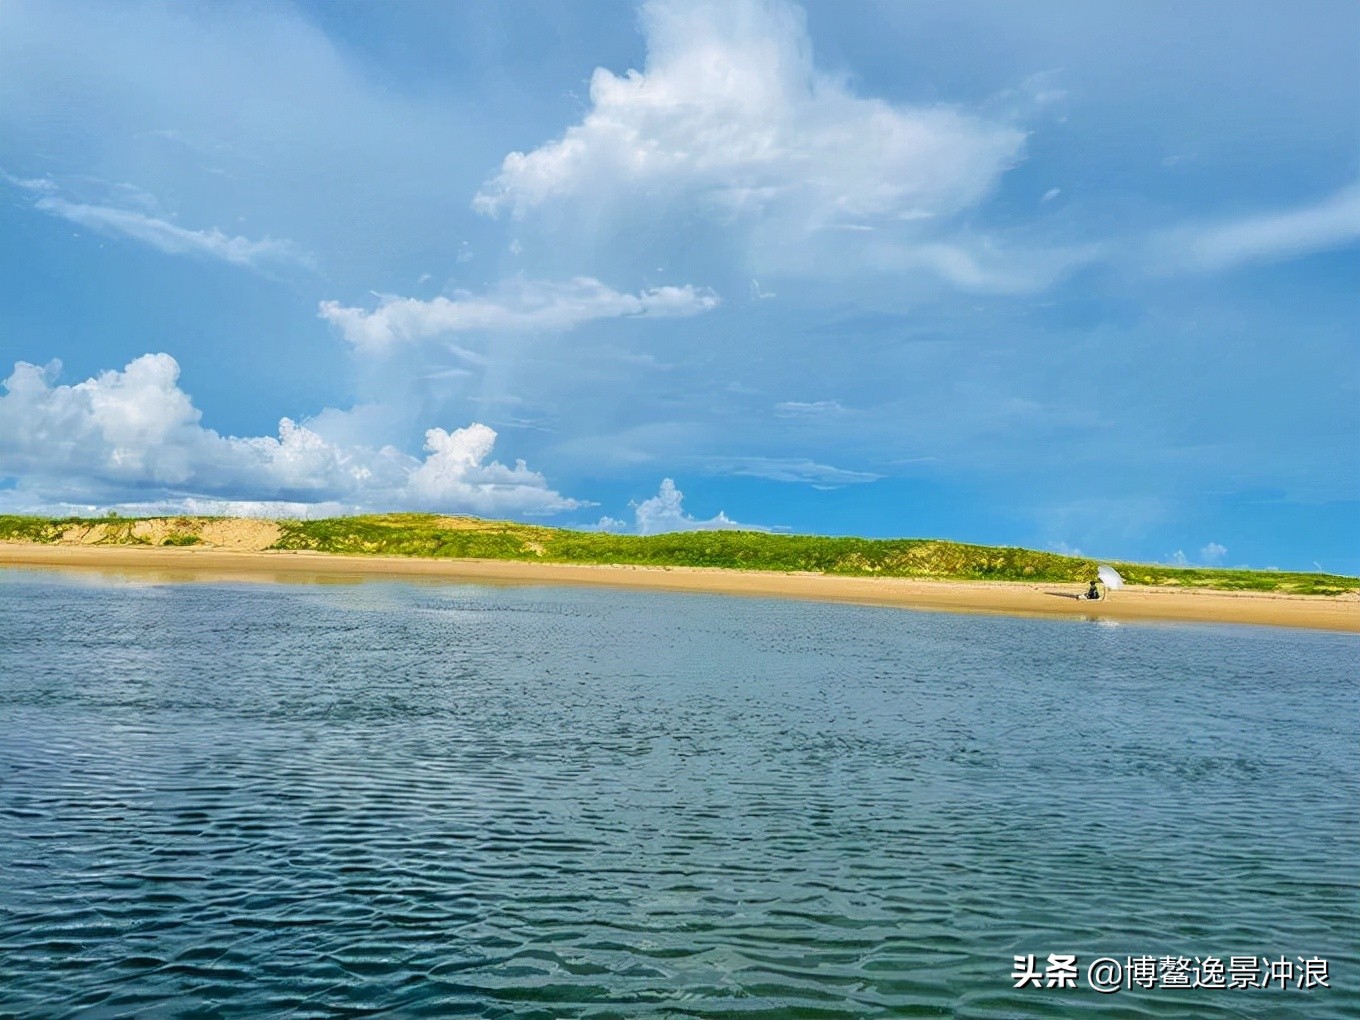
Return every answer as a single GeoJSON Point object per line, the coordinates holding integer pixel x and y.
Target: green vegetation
{"type": "Point", "coordinates": [470, 537]}
{"type": "Point", "coordinates": [30, 529]}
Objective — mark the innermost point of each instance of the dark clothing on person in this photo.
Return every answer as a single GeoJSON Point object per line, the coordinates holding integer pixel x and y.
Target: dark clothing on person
{"type": "Point", "coordinates": [1093, 592]}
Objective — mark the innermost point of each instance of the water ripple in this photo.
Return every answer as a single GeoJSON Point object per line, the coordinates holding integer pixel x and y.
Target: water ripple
{"type": "Point", "coordinates": [433, 800]}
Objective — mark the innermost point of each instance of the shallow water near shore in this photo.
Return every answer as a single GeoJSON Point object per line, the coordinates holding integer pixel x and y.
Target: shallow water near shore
{"type": "Point", "coordinates": [437, 800]}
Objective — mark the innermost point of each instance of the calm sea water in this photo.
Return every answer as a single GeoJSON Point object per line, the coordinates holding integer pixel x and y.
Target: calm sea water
{"type": "Point", "coordinates": [391, 799]}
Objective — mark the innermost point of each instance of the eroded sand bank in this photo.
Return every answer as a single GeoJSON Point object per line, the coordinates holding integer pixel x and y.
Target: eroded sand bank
{"type": "Point", "coordinates": [188, 564]}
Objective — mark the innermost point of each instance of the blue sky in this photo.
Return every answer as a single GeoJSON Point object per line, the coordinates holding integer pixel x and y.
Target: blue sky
{"type": "Point", "coordinates": [1078, 277]}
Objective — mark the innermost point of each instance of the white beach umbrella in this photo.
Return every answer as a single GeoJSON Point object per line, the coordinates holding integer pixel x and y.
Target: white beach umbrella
{"type": "Point", "coordinates": [1110, 577]}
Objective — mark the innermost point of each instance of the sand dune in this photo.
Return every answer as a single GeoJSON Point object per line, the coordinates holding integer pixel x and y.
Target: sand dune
{"type": "Point", "coordinates": [1014, 598]}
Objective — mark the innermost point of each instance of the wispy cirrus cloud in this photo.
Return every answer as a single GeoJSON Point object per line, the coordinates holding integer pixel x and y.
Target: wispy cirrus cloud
{"type": "Point", "coordinates": [808, 408]}
{"type": "Point", "coordinates": [516, 306]}
{"type": "Point", "coordinates": [41, 185]}
{"type": "Point", "coordinates": [789, 469]}
{"type": "Point", "coordinates": [1334, 222]}
{"type": "Point", "coordinates": [114, 215]}
{"type": "Point", "coordinates": [176, 240]}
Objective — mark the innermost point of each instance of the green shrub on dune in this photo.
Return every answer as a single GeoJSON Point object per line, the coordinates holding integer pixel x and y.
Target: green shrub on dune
{"type": "Point", "coordinates": [34, 529]}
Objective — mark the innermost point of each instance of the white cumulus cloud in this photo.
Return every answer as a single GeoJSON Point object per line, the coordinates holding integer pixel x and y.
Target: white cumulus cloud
{"type": "Point", "coordinates": [730, 108]}
{"type": "Point", "coordinates": [134, 437]}
{"type": "Point", "coordinates": [519, 305]}
{"type": "Point", "coordinates": [1213, 553]}
{"type": "Point", "coordinates": [665, 512]}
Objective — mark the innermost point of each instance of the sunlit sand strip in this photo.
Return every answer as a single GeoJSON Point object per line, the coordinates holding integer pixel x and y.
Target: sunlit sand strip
{"type": "Point", "coordinates": [159, 564]}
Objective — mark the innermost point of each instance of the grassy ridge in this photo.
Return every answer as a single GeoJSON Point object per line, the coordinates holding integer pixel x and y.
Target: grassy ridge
{"type": "Point", "coordinates": [419, 535]}
{"type": "Point", "coordinates": [469, 537]}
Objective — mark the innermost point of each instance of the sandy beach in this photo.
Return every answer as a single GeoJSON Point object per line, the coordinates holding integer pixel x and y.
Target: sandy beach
{"type": "Point", "coordinates": [1011, 598]}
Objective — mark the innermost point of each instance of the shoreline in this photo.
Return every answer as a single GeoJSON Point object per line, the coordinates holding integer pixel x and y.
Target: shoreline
{"type": "Point", "coordinates": [1010, 598]}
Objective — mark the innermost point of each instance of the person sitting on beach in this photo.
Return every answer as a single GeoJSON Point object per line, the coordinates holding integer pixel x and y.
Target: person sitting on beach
{"type": "Point", "coordinates": [1093, 592]}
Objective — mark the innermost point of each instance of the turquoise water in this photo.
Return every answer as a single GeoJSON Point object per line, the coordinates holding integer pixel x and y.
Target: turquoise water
{"type": "Point", "coordinates": [406, 800]}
